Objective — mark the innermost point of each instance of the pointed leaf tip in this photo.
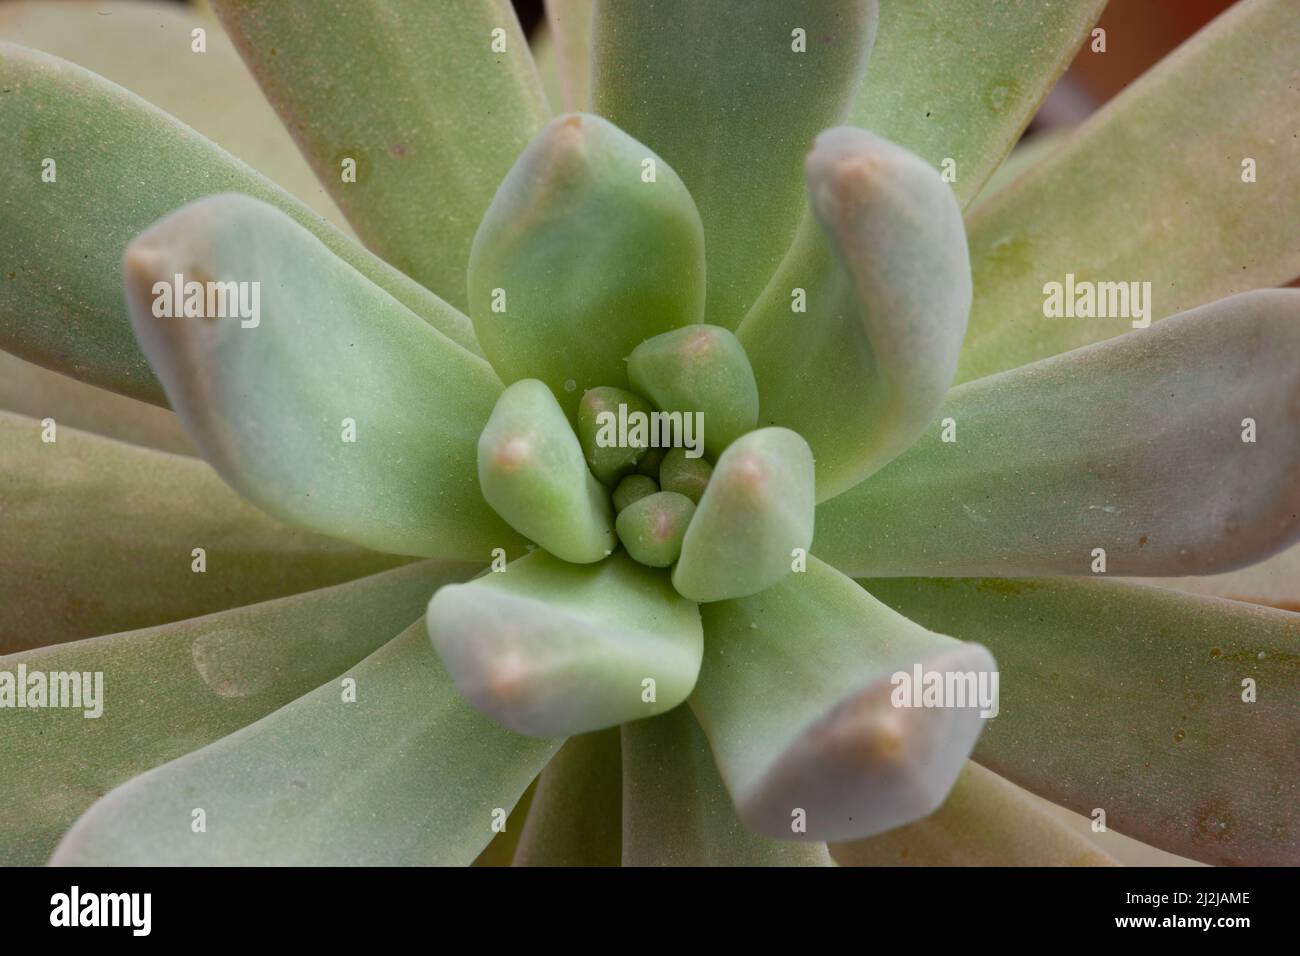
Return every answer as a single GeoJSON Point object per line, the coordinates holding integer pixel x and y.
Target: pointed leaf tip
{"type": "Point", "coordinates": [600, 414]}
{"type": "Point", "coordinates": [868, 765]}
{"type": "Point", "coordinates": [701, 370]}
{"type": "Point", "coordinates": [532, 472]}
{"type": "Point", "coordinates": [754, 519]}
{"type": "Point", "coordinates": [551, 649]}
{"type": "Point", "coordinates": [652, 527]}
{"type": "Point", "coordinates": [855, 340]}
{"type": "Point", "coordinates": [590, 245]}
{"type": "Point", "coordinates": [632, 489]}
{"type": "Point", "coordinates": [810, 699]}
{"type": "Point", "coordinates": [684, 475]}
{"type": "Point", "coordinates": [267, 345]}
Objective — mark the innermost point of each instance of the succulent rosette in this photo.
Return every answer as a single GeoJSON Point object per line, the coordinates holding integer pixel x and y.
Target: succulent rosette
{"type": "Point", "coordinates": [347, 513]}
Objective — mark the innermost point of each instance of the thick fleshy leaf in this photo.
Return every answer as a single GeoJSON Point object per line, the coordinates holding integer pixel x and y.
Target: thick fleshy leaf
{"type": "Point", "coordinates": [599, 413]}
{"type": "Point", "coordinates": [961, 79]}
{"type": "Point", "coordinates": [27, 389]}
{"type": "Point", "coordinates": [552, 649]}
{"type": "Point", "coordinates": [172, 689]}
{"type": "Point", "coordinates": [532, 472]}
{"type": "Point", "coordinates": [686, 476]}
{"type": "Point", "coordinates": [119, 165]}
{"type": "Point", "coordinates": [576, 814]}
{"type": "Point", "coordinates": [1274, 582]}
{"type": "Point", "coordinates": [1163, 159]}
{"type": "Point", "coordinates": [986, 821]}
{"type": "Point", "coordinates": [432, 102]}
{"type": "Point", "coordinates": [407, 773]}
{"type": "Point", "coordinates": [1133, 700]}
{"type": "Point", "coordinates": [731, 93]}
{"type": "Point", "coordinates": [754, 520]}
{"type": "Point", "coordinates": [652, 527]}
{"type": "Point", "coordinates": [798, 696]}
{"type": "Point", "coordinates": [591, 244]}
{"type": "Point", "coordinates": [855, 340]}
{"type": "Point", "coordinates": [701, 371]}
{"type": "Point", "coordinates": [97, 536]}
{"type": "Point", "coordinates": [1173, 449]}
{"type": "Point", "coordinates": [632, 489]}
{"type": "Point", "coordinates": [333, 407]}
{"type": "Point", "coordinates": [676, 811]}
{"type": "Point", "coordinates": [570, 27]}
{"type": "Point", "coordinates": [148, 49]}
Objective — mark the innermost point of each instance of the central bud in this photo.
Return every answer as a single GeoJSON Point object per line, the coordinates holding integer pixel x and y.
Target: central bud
{"type": "Point", "coordinates": [652, 461]}
{"type": "Point", "coordinates": [672, 469]}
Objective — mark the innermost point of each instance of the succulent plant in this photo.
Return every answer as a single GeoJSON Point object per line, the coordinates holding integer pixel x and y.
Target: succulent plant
{"type": "Point", "coordinates": [768, 217]}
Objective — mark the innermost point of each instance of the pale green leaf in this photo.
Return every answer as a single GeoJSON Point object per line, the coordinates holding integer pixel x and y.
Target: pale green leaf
{"type": "Point", "coordinates": [1132, 700]}
{"type": "Point", "coordinates": [532, 472]}
{"type": "Point", "coordinates": [500, 852]}
{"type": "Point", "coordinates": [39, 393]}
{"type": "Point", "coordinates": [855, 340]}
{"type": "Point", "coordinates": [431, 101]}
{"type": "Point", "coordinates": [754, 520]}
{"type": "Point", "coordinates": [334, 407]}
{"type": "Point", "coordinates": [580, 257]}
{"type": "Point", "coordinates": [959, 80]}
{"type": "Point", "coordinates": [676, 811]}
{"type": "Point", "coordinates": [576, 814]}
{"type": "Point", "coordinates": [700, 371]}
{"type": "Point", "coordinates": [1173, 449]}
{"type": "Point", "coordinates": [172, 689]}
{"type": "Point", "coordinates": [723, 92]}
{"type": "Point", "coordinates": [796, 695]}
{"type": "Point", "coordinates": [545, 56]}
{"type": "Point", "coordinates": [570, 25]}
{"type": "Point", "coordinates": [1151, 189]}
{"type": "Point", "coordinates": [148, 49]}
{"type": "Point", "coordinates": [1028, 153]}
{"type": "Point", "coordinates": [97, 536]}
{"type": "Point", "coordinates": [120, 164]}
{"type": "Point", "coordinates": [405, 774]}
{"type": "Point", "coordinates": [598, 415]}
{"type": "Point", "coordinates": [1274, 581]}
{"type": "Point", "coordinates": [551, 649]}
{"type": "Point", "coordinates": [986, 821]}
{"type": "Point", "coordinates": [652, 528]}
